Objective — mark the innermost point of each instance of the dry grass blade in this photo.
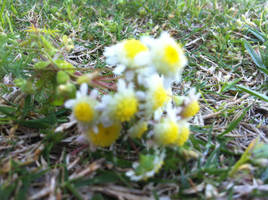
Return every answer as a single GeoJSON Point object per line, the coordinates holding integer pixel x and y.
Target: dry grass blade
{"type": "Point", "coordinates": [120, 193]}
{"type": "Point", "coordinates": [91, 168]}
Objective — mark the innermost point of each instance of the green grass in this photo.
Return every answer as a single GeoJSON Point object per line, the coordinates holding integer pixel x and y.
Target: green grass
{"type": "Point", "coordinates": [33, 157]}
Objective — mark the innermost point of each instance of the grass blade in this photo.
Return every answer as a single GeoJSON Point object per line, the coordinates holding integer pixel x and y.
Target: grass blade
{"type": "Point", "coordinates": [253, 93]}
{"type": "Point", "coordinates": [235, 122]}
{"type": "Point", "coordinates": [244, 158]}
{"type": "Point", "coordinates": [73, 191]}
{"type": "Point", "coordinates": [261, 37]}
{"type": "Point", "coordinates": [255, 57]}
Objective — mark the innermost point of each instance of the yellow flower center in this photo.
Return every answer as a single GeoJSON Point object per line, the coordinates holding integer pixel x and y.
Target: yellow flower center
{"type": "Point", "coordinates": [126, 108]}
{"type": "Point", "coordinates": [171, 55]}
{"type": "Point", "coordinates": [140, 129]}
{"type": "Point", "coordinates": [191, 109]}
{"type": "Point", "coordinates": [105, 136]}
{"type": "Point", "coordinates": [169, 135]}
{"type": "Point", "coordinates": [183, 135]}
{"type": "Point", "coordinates": [160, 96]}
{"type": "Point", "coordinates": [134, 47]}
{"type": "Point", "coordinates": [83, 112]}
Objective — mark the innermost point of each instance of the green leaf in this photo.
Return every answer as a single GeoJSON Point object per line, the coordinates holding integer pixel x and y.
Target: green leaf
{"type": "Point", "coordinates": [253, 92]}
{"type": "Point", "coordinates": [28, 105]}
{"type": "Point", "coordinates": [264, 55]}
{"type": "Point", "coordinates": [62, 77]}
{"type": "Point", "coordinates": [146, 163]}
{"type": "Point", "coordinates": [261, 37]}
{"type": "Point", "coordinates": [228, 85]}
{"type": "Point", "coordinates": [7, 190]}
{"type": "Point", "coordinates": [41, 64]}
{"type": "Point", "coordinates": [48, 46]}
{"type": "Point", "coordinates": [97, 197]}
{"type": "Point", "coordinates": [234, 123]}
{"type": "Point", "coordinates": [39, 123]}
{"type": "Point", "coordinates": [245, 157]}
{"type": "Point", "coordinates": [7, 110]}
{"type": "Point", "coordinates": [2, 11]}
{"type": "Point", "coordinates": [73, 190]}
{"type": "Point", "coordinates": [255, 57]}
{"type": "Point", "coordinates": [62, 64]}
{"type": "Point", "coordinates": [261, 151]}
{"type": "Point", "coordinates": [104, 177]}
{"type": "Point", "coordinates": [264, 176]}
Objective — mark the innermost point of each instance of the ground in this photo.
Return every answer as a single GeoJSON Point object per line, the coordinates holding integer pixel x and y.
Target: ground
{"type": "Point", "coordinates": [218, 161]}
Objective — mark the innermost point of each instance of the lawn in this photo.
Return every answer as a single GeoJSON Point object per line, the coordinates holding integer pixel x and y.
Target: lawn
{"type": "Point", "coordinates": [46, 45]}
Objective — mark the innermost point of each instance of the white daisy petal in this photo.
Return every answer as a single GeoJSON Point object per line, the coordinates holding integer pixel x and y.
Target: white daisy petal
{"type": "Point", "coordinates": [78, 95]}
{"type": "Point", "coordinates": [69, 103]}
{"type": "Point", "coordinates": [148, 41]}
{"type": "Point", "coordinates": [130, 173]}
{"type": "Point", "coordinates": [119, 69]}
{"type": "Point", "coordinates": [141, 95]}
{"type": "Point", "coordinates": [158, 114]}
{"type": "Point", "coordinates": [84, 89]}
{"type": "Point", "coordinates": [94, 94]}
{"type": "Point", "coordinates": [81, 139]}
{"type": "Point", "coordinates": [121, 85]}
{"type": "Point", "coordinates": [95, 129]}
{"type": "Point", "coordinates": [142, 59]}
{"type": "Point", "coordinates": [129, 75]}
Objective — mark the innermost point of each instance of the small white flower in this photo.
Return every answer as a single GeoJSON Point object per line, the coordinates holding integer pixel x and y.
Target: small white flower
{"type": "Point", "coordinates": [143, 74]}
{"type": "Point", "coordinates": [171, 130]}
{"type": "Point", "coordinates": [130, 54]}
{"type": "Point", "coordinates": [119, 69]}
{"type": "Point", "coordinates": [141, 172]}
{"type": "Point", "coordinates": [138, 129]}
{"type": "Point", "coordinates": [166, 131]}
{"type": "Point", "coordinates": [190, 105]}
{"type": "Point", "coordinates": [167, 56]}
{"type": "Point", "coordinates": [155, 97]}
{"type": "Point", "coordinates": [83, 107]}
{"type": "Point", "coordinates": [120, 107]}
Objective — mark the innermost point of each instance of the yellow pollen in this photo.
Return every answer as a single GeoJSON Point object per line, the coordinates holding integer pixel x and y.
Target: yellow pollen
{"type": "Point", "coordinates": [83, 112]}
{"type": "Point", "coordinates": [169, 135]}
{"type": "Point", "coordinates": [191, 109]}
{"type": "Point", "coordinates": [183, 135]}
{"type": "Point", "coordinates": [134, 47]}
{"type": "Point", "coordinates": [160, 96]}
{"type": "Point", "coordinates": [105, 136]}
{"type": "Point", "coordinates": [143, 127]}
{"type": "Point", "coordinates": [171, 55]}
{"type": "Point", "coordinates": [126, 109]}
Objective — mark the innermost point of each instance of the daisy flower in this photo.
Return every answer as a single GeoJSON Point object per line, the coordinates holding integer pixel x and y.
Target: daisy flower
{"type": "Point", "coordinates": [120, 107]}
{"type": "Point", "coordinates": [83, 107]}
{"type": "Point", "coordinates": [137, 130]}
{"type": "Point", "coordinates": [155, 96]}
{"type": "Point", "coordinates": [166, 132]}
{"type": "Point", "coordinates": [167, 56]}
{"type": "Point", "coordinates": [169, 131]}
{"type": "Point", "coordinates": [184, 132]}
{"type": "Point", "coordinates": [103, 136]}
{"type": "Point", "coordinates": [147, 166]}
{"type": "Point", "coordinates": [190, 105]}
{"type": "Point", "coordinates": [127, 53]}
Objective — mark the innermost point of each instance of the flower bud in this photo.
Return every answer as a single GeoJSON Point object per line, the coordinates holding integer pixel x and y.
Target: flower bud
{"type": "Point", "coordinates": [67, 89]}
{"type": "Point", "coordinates": [62, 77]}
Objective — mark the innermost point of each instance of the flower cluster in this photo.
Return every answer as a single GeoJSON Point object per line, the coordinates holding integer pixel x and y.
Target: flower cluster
{"type": "Point", "coordinates": [143, 99]}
